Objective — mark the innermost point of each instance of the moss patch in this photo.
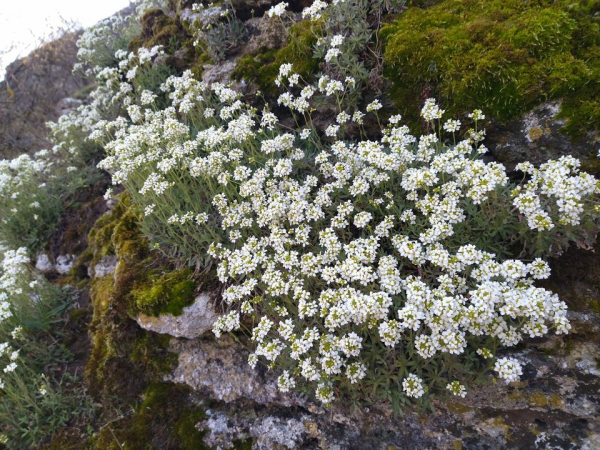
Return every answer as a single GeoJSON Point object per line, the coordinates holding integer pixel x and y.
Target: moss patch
{"type": "Point", "coordinates": [503, 56]}
{"type": "Point", "coordinates": [122, 353]}
{"type": "Point", "coordinates": [165, 419]}
{"type": "Point", "coordinates": [127, 362]}
{"type": "Point", "coordinates": [168, 293]}
{"type": "Point", "coordinates": [262, 67]}
{"type": "Point", "coordinates": [160, 29]}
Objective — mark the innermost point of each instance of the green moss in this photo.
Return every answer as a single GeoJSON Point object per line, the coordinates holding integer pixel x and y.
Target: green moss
{"type": "Point", "coordinates": [591, 165]}
{"type": "Point", "coordinates": [190, 438]}
{"type": "Point", "coordinates": [503, 56]}
{"type": "Point", "coordinates": [165, 419]}
{"type": "Point", "coordinates": [168, 293]}
{"type": "Point", "coordinates": [119, 347]}
{"type": "Point", "coordinates": [262, 67]}
{"type": "Point", "coordinates": [541, 400]}
{"type": "Point", "coordinates": [458, 408]}
{"type": "Point", "coordinates": [159, 29]}
{"type": "Point", "coordinates": [242, 444]}
{"type": "Point", "coordinates": [65, 439]}
{"type": "Point", "coordinates": [78, 315]}
{"type": "Point", "coordinates": [126, 361]}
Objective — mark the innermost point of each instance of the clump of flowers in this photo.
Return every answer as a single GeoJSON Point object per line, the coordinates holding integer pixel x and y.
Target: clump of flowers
{"type": "Point", "coordinates": [349, 252]}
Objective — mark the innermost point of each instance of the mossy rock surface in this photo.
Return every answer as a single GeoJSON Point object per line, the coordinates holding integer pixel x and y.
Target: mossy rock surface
{"type": "Point", "coordinates": [119, 346]}
{"type": "Point", "coordinates": [167, 293]}
{"type": "Point", "coordinates": [262, 67]}
{"type": "Point", "coordinates": [502, 56]}
{"type": "Point", "coordinates": [160, 29]}
{"type": "Point", "coordinates": [126, 361]}
{"type": "Point", "coordinates": [165, 419]}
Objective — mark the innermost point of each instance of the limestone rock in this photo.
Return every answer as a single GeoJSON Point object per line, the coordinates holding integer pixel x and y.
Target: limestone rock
{"type": "Point", "coordinates": [537, 138]}
{"type": "Point", "coordinates": [266, 34]}
{"type": "Point", "coordinates": [67, 105]}
{"type": "Point", "coordinates": [220, 73]}
{"type": "Point", "coordinates": [64, 263]}
{"type": "Point", "coordinates": [221, 368]}
{"type": "Point", "coordinates": [266, 432]}
{"type": "Point", "coordinates": [555, 405]}
{"type": "Point", "coordinates": [195, 320]}
{"type": "Point", "coordinates": [106, 266]}
{"type": "Point", "coordinates": [43, 263]}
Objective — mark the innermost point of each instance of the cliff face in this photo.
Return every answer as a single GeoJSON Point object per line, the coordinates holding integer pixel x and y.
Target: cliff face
{"type": "Point", "coordinates": [162, 380]}
{"type": "Point", "coordinates": [31, 92]}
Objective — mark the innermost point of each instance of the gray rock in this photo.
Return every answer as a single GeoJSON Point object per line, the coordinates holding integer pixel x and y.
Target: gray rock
{"type": "Point", "coordinates": [266, 33]}
{"type": "Point", "coordinates": [64, 263]}
{"type": "Point", "coordinates": [536, 137]}
{"type": "Point", "coordinates": [106, 266]}
{"type": "Point", "coordinates": [67, 105]}
{"type": "Point", "coordinates": [266, 432]}
{"type": "Point", "coordinates": [43, 263]}
{"type": "Point", "coordinates": [221, 368]}
{"type": "Point", "coordinates": [195, 320]}
{"type": "Point", "coordinates": [555, 405]}
{"type": "Point", "coordinates": [220, 73]}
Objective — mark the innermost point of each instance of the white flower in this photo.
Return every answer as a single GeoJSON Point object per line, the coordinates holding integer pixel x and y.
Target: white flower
{"type": "Point", "coordinates": [355, 372]}
{"type": "Point", "coordinates": [477, 115]}
{"type": "Point", "coordinates": [277, 10]}
{"type": "Point", "coordinates": [431, 111]}
{"type": "Point", "coordinates": [375, 105]}
{"type": "Point", "coordinates": [413, 386]}
{"type": "Point", "coordinates": [457, 389]}
{"type": "Point", "coordinates": [362, 219]}
{"type": "Point", "coordinates": [10, 367]}
{"type": "Point", "coordinates": [324, 394]}
{"type": "Point", "coordinates": [509, 369]}
{"type": "Point", "coordinates": [337, 40]}
{"type": "Point", "coordinates": [315, 11]}
{"type": "Point", "coordinates": [332, 53]}
{"type": "Point", "coordinates": [452, 126]}
{"type": "Point", "coordinates": [285, 382]}
{"type": "Point", "coordinates": [332, 130]}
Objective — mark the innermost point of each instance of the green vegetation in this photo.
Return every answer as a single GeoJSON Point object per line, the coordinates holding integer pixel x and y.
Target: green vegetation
{"type": "Point", "coordinates": [119, 346]}
{"type": "Point", "coordinates": [262, 67]}
{"type": "Point", "coordinates": [503, 56]}
{"type": "Point", "coordinates": [160, 29]}
{"type": "Point", "coordinates": [165, 419]}
{"type": "Point", "coordinates": [168, 293]}
{"type": "Point", "coordinates": [38, 395]}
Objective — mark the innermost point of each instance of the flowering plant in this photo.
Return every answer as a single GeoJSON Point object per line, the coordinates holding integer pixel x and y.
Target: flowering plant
{"type": "Point", "coordinates": [355, 266]}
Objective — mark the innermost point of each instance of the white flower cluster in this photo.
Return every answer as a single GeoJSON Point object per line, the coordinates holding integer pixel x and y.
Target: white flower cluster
{"type": "Point", "coordinates": [413, 386]}
{"type": "Point", "coordinates": [17, 287]}
{"type": "Point", "coordinates": [354, 254]}
{"type": "Point", "coordinates": [508, 369]}
{"type": "Point", "coordinates": [334, 50]}
{"type": "Point", "coordinates": [556, 185]}
{"type": "Point", "coordinates": [277, 10]}
{"type": "Point", "coordinates": [314, 11]}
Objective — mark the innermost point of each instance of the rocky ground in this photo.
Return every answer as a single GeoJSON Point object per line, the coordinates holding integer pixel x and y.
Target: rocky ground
{"type": "Point", "coordinates": [556, 405]}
